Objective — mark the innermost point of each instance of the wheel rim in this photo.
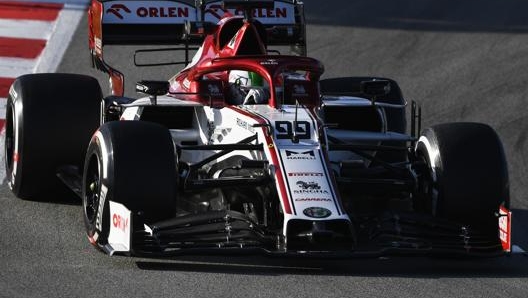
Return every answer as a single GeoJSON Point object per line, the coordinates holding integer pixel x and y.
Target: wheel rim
{"type": "Point", "coordinates": [428, 186]}
{"type": "Point", "coordinates": [92, 192]}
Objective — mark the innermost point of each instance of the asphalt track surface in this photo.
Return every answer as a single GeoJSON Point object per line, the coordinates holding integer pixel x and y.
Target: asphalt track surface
{"type": "Point", "coordinates": [462, 60]}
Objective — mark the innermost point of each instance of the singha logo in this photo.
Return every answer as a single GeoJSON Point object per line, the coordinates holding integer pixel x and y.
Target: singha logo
{"type": "Point", "coordinates": [309, 188]}
{"type": "Point", "coordinates": [116, 10]}
{"type": "Point", "coordinates": [308, 185]}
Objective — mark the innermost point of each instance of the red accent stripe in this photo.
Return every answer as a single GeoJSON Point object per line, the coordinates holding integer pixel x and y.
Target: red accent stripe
{"type": "Point", "coordinates": [21, 47]}
{"type": "Point", "coordinates": [2, 123]}
{"type": "Point", "coordinates": [274, 158]}
{"type": "Point", "coordinates": [5, 83]}
{"type": "Point", "coordinates": [29, 10]}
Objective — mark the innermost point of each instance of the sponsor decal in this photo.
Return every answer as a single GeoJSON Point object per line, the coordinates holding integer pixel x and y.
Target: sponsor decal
{"type": "Point", "coordinates": [309, 188]}
{"type": "Point", "coordinates": [308, 185]}
{"type": "Point", "coordinates": [317, 212]}
{"type": "Point", "coordinates": [244, 125]}
{"type": "Point", "coordinates": [269, 62]}
{"type": "Point", "coordinates": [282, 13]}
{"type": "Point", "coordinates": [162, 12]}
{"type": "Point", "coordinates": [98, 46]}
{"type": "Point", "coordinates": [119, 222]}
{"type": "Point", "coordinates": [148, 12]}
{"type": "Point", "coordinates": [100, 208]}
{"type": "Point", "coordinates": [305, 174]}
{"type": "Point", "coordinates": [304, 155]}
{"type": "Point", "coordinates": [116, 9]}
{"type": "Point", "coordinates": [13, 93]}
{"type": "Point", "coordinates": [313, 200]}
{"type": "Point", "coordinates": [120, 227]}
{"type": "Point", "coordinates": [284, 129]}
{"type": "Point", "coordinates": [505, 228]}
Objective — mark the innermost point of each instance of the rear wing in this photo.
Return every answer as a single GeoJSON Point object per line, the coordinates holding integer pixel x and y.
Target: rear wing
{"type": "Point", "coordinates": [181, 22]}
{"type": "Point", "coordinates": [163, 21]}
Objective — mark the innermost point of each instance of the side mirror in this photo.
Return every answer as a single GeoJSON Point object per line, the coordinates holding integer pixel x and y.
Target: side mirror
{"type": "Point", "coordinates": [375, 88]}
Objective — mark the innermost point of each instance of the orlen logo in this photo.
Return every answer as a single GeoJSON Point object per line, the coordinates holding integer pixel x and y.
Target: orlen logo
{"type": "Point", "coordinates": [119, 11]}
{"type": "Point", "coordinates": [119, 222]}
{"type": "Point", "coordinates": [217, 11]}
{"type": "Point", "coordinates": [116, 10]}
{"type": "Point", "coordinates": [163, 12]}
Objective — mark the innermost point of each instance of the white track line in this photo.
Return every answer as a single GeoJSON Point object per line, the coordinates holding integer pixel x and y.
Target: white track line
{"type": "Point", "coordinates": [65, 25]}
{"type": "Point", "coordinates": [25, 29]}
{"type": "Point", "coordinates": [14, 67]}
{"type": "Point", "coordinates": [58, 33]}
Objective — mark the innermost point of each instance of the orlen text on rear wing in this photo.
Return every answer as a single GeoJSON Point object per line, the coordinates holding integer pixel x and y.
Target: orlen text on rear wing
{"type": "Point", "coordinates": [180, 22]}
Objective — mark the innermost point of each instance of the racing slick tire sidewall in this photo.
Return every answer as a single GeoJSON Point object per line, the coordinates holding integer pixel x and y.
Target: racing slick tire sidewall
{"type": "Point", "coordinates": [468, 171]}
{"type": "Point", "coordinates": [49, 121]}
{"type": "Point", "coordinates": [137, 168]}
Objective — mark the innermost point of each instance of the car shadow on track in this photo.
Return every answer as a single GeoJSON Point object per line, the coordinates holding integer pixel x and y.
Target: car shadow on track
{"type": "Point", "coordinates": [506, 267]}
{"type": "Point", "coordinates": [426, 15]}
{"type": "Point", "coordinates": [65, 197]}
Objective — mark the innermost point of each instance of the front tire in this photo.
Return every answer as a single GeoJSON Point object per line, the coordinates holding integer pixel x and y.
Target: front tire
{"type": "Point", "coordinates": [132, 163]}
{"type": "Point", "coordinates": [467, 177]}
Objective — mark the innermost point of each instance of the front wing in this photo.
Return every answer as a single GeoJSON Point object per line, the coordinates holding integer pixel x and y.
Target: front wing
{"type": "Point", "coordinates": [233, 232]}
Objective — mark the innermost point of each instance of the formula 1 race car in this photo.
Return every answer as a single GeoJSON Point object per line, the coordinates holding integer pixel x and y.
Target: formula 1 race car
{"type": "Point", "coordinates": [246, 149]}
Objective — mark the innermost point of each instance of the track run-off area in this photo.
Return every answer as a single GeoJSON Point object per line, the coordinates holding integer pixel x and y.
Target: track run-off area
{"type": "Point", "coordinates": [461, 60]}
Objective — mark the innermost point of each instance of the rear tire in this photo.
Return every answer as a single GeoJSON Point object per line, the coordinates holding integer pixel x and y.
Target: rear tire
{"type": "Point", "coordinates": [468, 174]}
{"type": "Point", "coordinates": [49, 121]}
{"type": "Point", "coordinates": [132, 163]}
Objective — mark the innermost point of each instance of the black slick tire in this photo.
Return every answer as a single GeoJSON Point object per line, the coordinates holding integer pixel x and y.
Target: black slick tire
{"type": "Point", "coordinates": [132, 163]}
{"type": "Point", "coordinates": [49, 121]}
{"type": "Point", "coordinates": [468, 174]}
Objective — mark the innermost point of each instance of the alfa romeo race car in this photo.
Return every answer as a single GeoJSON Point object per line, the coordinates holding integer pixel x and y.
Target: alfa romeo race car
{"type": "Point", "coordinates": [247, 149]}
